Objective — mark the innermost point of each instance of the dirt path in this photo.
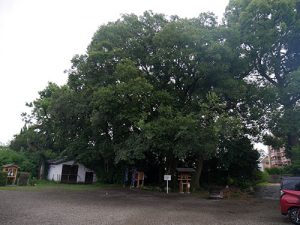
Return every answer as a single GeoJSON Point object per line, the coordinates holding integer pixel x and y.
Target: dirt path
{"type": "Point", "coordinates": [118, 206]}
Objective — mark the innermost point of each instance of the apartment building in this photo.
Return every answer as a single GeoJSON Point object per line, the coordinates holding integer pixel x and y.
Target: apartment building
{"type": "Point", "coordinates": [278, 157]}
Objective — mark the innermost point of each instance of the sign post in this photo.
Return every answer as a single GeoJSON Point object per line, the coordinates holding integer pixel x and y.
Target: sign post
{"type": "Point", "coordinates": [167, 178]}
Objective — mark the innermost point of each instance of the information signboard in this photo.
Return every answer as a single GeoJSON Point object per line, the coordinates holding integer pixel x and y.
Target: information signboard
{"type": "Point", "coordinates": [167, 177]}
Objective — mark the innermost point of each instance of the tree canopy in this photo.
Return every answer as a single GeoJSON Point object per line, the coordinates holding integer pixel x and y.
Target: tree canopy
{"type": "Point", "coordinates": [269, 37]}
{"type": "Point", "coordinates": [159, 92]}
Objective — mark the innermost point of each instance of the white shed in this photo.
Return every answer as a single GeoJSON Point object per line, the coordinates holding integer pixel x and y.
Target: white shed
{"type": "Point", "coordinates": [70, 171]}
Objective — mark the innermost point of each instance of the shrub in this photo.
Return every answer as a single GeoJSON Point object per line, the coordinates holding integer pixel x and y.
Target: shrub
{"type": "Point", "coordinates": [274, 171]}
{"type": "Point", "coordinates": [20, 158]}
{"type": "Point", "coordinates": [243, 183]}
{"type": "Point", "coordinates": [3, 177]}
{"type": "Point", "coordinates": [33, 181]}
{"type": "Point", "coordinates": [291, 170]}
{"type": "Point", "coordinates": [23, 178]}
{"type": "Point", "coordinates": [262, 177]}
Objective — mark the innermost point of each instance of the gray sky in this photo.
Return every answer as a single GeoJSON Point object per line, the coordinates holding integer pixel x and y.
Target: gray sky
{"type": "Point", "coordinates": [38, 38]}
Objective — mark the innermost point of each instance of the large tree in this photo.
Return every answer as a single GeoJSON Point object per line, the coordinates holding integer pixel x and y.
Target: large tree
{"type": "Point", "coordinates": [163, 91]}
{"type": "Point", "coordinates": [269, 37]}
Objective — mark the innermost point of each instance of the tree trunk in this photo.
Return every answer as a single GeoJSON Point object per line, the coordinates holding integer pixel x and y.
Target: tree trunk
{"type": "Point", "coordinates": [199, 166]}
{"type": "Point", "coordinates": [161, 172]}
{"type": "Point", "coordinates": [172, 172]}
{"type": "Point", "coordinates": [292, 140]}
{"type": "Point", "coordinates": [42, 170]}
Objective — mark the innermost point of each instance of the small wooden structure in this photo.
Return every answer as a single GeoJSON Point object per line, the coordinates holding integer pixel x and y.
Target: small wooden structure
{"type": "Point", "coordinates": [184, 179]}
{"type": "Point", "coordinates": [12, 171]}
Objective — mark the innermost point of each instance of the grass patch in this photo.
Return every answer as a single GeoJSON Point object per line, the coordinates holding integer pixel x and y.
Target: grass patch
{"type": "Point", "coordinates": [48, 185]}
{"type": "Point", "coordinates": [263, 184]}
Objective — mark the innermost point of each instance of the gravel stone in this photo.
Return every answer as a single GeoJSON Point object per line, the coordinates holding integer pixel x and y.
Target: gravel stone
{"type": "Point", "coordinates": [131, 207]}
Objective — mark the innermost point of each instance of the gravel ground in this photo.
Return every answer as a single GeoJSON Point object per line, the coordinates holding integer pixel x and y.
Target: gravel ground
{"type": "Point", "coordinates": [271, 191]}
{"type": "Point", "coordinates": [132, 207]}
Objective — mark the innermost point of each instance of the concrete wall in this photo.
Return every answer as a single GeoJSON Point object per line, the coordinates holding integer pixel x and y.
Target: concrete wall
{"type": "Point", "coordinates": [81, 173]}
{"type": "Point", "coordinates": [54, 172]}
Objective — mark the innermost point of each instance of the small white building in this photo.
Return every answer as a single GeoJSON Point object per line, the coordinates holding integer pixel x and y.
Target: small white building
{"type": "Point", "coordinates": [70, 171]}
{"type": "Point", "coordinates": [264, 163]}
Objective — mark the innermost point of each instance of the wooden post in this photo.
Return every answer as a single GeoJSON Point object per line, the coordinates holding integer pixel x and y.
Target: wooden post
{"type": "Point", "coordinates": [140, 179]}
{"type": "Point", "coordinates": [188, 185]}
{"type": "Point", "coordinates": [180, 186]}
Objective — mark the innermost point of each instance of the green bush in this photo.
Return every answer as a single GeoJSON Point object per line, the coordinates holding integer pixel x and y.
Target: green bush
{"type": "Point", "coordinates": [262, 177]}
{"type": "Point", "coordinates": [3, 177]}
{"type": "Point", "coordinates": [243, 183]}
{"type": "Point", "coordinates": [275, 171]}
{"type": "Point", "coordinates": [23, 178]}
{"type": "Point", "coordinates": [33, 181]}
{"type": "Point", "coordinates": [292, 170]}
{"type": "Point", "coordinates": [25, 163]}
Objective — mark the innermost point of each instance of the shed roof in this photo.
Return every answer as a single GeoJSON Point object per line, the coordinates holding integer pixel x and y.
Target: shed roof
{"type": "Point", "coordinates": [59, 161]}
{"type": "Point", "coordinates": [189, 170]}
{"type": "Point", "coordinates": [10, 165]}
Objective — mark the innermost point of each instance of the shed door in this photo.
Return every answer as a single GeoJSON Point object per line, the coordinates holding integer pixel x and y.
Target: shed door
{"type": "Point", "coordinates": [89, 177]}
{"type": "Point", "coordinates": [69, 174]}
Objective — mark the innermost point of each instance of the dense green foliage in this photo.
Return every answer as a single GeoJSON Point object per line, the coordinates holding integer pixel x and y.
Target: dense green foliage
{"type": "Point", "coordinates": [158, 93]}
{"type": "Point", "coordinates": [294, 168]}
{"type": "Point", "coordinates": [269, 37]}
{"type": "Point", "coordinates": [275, 171]}
{"type": "Point", "coordinates": [24, 160]}
{"type": "Point", "coordinates": [3, 178]}
{"type": "Point", "coordinates": [233, 164]}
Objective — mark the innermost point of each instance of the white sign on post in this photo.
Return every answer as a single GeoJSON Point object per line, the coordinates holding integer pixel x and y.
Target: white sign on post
{"type": "Point", "coordinates": [167, 178]}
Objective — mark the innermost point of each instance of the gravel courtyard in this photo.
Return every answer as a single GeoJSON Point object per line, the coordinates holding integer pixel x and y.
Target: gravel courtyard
{"type": "Point", "coordinates": [124, 206]}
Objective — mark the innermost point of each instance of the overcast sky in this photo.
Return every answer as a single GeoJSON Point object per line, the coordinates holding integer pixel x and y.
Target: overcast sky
{"type": "Point", "coordinates": [38, 38]}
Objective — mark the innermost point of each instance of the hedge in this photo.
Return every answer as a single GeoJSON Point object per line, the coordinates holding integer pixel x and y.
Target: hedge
{"type": "Point", "coordinates": [3, 176]}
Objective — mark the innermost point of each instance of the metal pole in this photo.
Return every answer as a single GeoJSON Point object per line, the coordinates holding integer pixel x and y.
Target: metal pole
{"type": "Point", "coordinates": [167, 186]}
